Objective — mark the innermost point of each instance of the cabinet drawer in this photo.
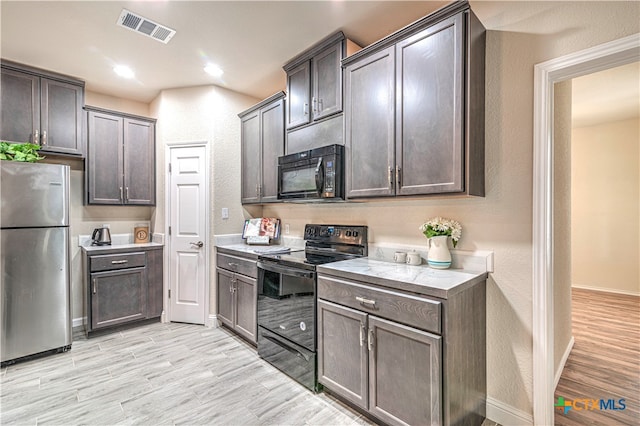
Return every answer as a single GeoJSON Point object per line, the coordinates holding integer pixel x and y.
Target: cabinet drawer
{"type": "Point", "coordinates": [405, 308]}
{"type": "Point", "coordinates": [237, 264]}
{"type": "Point", "coordinates": [108, 262]}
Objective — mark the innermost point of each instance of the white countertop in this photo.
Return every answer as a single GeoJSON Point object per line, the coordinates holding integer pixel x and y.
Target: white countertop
{"type": "Point", "coordinates": [419, 279]}
{"type": "Point", "coordinates": [90, 249]}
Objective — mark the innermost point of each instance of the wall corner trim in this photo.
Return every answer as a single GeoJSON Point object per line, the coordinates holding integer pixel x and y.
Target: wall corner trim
{"type": "Point", "coordinates": [563, 361]}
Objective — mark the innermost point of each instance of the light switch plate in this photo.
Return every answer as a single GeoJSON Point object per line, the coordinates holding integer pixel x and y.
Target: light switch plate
{"type": "Point", "coordinates": [225, 213]}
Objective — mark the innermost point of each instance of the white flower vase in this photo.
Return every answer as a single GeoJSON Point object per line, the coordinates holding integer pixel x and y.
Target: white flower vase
{"type": "Point", "coordinates": [439, 256]}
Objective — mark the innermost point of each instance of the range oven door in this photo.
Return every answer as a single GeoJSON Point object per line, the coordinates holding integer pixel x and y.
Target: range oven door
{"type": "Point", "coordinates": [287, 303]}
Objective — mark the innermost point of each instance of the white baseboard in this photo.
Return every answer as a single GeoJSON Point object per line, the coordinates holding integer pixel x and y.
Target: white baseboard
{"type": "Point", "coordinates": [563, 361]}
{"type": "Point", "coordinates": [78, 322]}
{"type": "Point", "coordinates": [507, 415]}
{"type": "Point", "coordinates": [605, 290]}
{"type": "Point", "coordinates": [212, 321]}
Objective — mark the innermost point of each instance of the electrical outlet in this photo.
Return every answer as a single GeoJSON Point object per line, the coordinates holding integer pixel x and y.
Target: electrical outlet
{"type": "Point", "coordinates": [225, 213]}
{"type": "Point", "coordinates": [286, 228]}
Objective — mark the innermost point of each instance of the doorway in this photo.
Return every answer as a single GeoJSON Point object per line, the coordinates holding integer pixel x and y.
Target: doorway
{"type": "Point", "coordinates": [188, 233]}
{"type": "Point", "coordinates": [546, 74]}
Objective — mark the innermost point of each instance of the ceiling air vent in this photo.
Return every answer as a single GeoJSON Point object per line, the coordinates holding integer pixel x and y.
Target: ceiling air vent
{"type": "Point", "coordinates": [145, 26]}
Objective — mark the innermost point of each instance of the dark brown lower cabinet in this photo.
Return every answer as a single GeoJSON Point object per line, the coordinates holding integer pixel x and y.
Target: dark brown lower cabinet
{"type": "Point", "coordinates": [122, 286]}
{"type": "Point", "coordinates": [387, 368]}
{"type": "Point", "coordinates": [118, 297]}
{"type": "Point", "coordinates": [237, 299]}
{"type": "Point", "coordinates": [400, 357]}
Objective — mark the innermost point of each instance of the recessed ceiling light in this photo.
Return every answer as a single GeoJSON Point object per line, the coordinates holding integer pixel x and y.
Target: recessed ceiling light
{"type": "Point", "coordinates": [124, 71]}
{"type": "Point", "coordinates": [213, 70]}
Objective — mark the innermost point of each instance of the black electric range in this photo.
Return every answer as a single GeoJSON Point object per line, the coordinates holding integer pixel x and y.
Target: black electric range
{"type": "Point", "coordinates": [287, 297]}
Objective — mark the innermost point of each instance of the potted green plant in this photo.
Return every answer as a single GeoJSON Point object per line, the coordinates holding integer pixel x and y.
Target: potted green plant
{"type": "Point", "coordinates": [23, 152]}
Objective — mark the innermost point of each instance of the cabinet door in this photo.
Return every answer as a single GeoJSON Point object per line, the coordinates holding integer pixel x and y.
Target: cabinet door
{"type": "Point", "coordinates": [225, 297]}
{"type": "Point", "coordinates": [118, 297]}
{"type": "Point", "coordinates": [20, 95]}
{"type": "Point", "coordinates": [272, 118]}
{"type": "Point", "coordinates": [429, 110]}
{"type": "Point", "coordinates": [139, 162]}
{"type": "Point", "coordinates": [327, 82]}
{"type": "Point", "coordinates": [61, 117]}
{"type": "Point", "coordinates": [251, 160]}
{"type": "Point", "coordinates": [246, 295]}
{"type": "Point", "coordinates": [342, 351]}
{"type": "Point", "coordinates": [104, 171]}
{"type": "Point", "coordinates": [298, 94]}
{"type": "Point", "coordinates": [369, 125]}
{"type": "Point", "coordinates": [405, 379]}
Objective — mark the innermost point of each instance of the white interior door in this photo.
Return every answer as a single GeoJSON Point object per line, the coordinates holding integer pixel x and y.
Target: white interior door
{"type": "Point", "coordinates": [188, 239]}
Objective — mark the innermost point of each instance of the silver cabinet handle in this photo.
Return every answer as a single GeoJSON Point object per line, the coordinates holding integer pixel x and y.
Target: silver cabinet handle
{"type": "Point", "coordinates": [390, 177]}
{"type": "Point", "coordinates": [119, 262]}
{"type": "Point", "coordinates": [362, 333]}
{"type": "Point", "coordinates": [319, 105]}
{"type": "Point", "coordinates": [370, 340]}
{"type": "Point", "coordinates": [94, 286]}
{"type": "Point", "coordinates": [199, 244]}
{"type": "Point", "coordinates": [126, 194]}
{"type": "Point", "coordinates": [314, 102]}
{"type": "Point", "coordinates": [398, 175]}
{"type": "Point", "coordinates": [305, 108]}
{"type": "Point", "coordinates": [44, 138]}
{"type": "Point", "coordinates": [232, 265]}
{"type": "Point", "coordinates": [36, 137]}
{"type": "Point", "coordinates": [121, 196]}
{"type": "Point", "coordinates": [364, 301]}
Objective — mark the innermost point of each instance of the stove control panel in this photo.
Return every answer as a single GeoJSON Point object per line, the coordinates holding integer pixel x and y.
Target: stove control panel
{"type": "Point", "coordinates": [345, 234]}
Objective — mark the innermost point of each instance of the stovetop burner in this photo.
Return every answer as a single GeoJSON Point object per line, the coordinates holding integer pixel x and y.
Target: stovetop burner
{"type": "Point", "coordinates": [324, 244]}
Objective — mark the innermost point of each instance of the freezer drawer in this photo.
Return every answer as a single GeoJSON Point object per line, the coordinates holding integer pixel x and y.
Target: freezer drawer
{"type": "Point", "coordinates": [36, 305]}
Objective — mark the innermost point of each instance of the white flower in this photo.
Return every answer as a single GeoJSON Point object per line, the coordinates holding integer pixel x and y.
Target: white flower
{"type": "Point", "coordinates": [441, 226]}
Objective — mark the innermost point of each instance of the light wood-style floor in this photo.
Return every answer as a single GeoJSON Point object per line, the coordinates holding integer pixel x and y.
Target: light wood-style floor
{"type": "Point", "coordinates": [605, 360]}
{"type": "Point", "coordinates": [161, 374]}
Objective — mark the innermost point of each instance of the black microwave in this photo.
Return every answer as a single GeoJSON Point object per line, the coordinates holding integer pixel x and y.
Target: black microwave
{"type": "Point", "coordinates": [314, 174]}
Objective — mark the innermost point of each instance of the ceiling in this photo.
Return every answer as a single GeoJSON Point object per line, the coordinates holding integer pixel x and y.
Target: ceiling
{"type": "Point", "coordinates": [249, 40]}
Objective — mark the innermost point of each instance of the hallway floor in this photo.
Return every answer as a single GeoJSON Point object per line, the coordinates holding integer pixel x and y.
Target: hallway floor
{"type": "Point", "coordinates": [604, 362]}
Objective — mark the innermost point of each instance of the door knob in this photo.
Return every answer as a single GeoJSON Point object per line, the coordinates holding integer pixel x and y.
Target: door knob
{"type": "Point", "coordinates": [199, 244]}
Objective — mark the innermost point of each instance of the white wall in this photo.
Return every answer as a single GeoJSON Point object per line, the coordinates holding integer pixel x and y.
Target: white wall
{"type": "Point", "coordinates": [606, 207]}
{"type": "Point", "coordinates": [562, 250]}
{"type": "Point", "coordinates": [204, 114]}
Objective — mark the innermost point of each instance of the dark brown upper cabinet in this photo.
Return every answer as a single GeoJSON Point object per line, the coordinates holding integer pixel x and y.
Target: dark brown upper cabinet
{"type": "Point", "coordinates": [43, 108]}
{"type": "Point", "coordinates": [414, 109]}
{"type": "Point", "coordinates": [262, 142]}
{"type": "Point", "coordinates": [121, 159]}
{"type": "Point", "coordinates": [314, 81]}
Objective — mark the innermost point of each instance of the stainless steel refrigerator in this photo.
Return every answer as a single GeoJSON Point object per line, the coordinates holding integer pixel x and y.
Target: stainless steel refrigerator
{"type": "Point", "coordinates": [36, 277]}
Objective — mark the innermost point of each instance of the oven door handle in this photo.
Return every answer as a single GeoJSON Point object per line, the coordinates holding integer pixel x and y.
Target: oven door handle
{"type": "Point", "coordinates": [286, 347]}
{"type": "Point", "coordinates": [285, 271]}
